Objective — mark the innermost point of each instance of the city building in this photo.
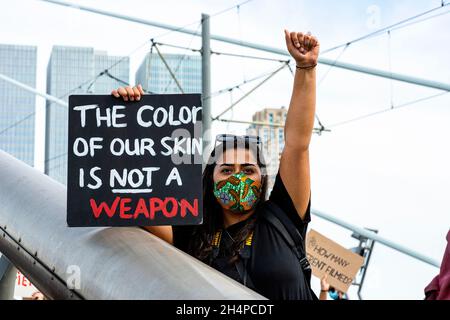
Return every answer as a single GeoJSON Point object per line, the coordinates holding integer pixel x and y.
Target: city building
{"type": "Point", "coordinates": [272, 137]}
{"type": "Point", "coordinates": [68, 68]}
{"type": "Point", "coordinates": [17, 106]}
{"type": "Point", "coordinates": [187, 69]}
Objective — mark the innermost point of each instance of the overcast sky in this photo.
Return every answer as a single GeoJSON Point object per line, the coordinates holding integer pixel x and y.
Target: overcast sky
{"type": "Point", "coordinates": [388, 172]}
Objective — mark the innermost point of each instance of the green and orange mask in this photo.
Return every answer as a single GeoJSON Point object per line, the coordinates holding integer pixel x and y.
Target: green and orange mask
{"type": "Point", "coordinates": [238, 193]}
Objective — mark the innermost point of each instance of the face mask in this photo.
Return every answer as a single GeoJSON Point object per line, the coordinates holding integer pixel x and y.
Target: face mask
{"type": "Point", "coordinates": [238, 193]}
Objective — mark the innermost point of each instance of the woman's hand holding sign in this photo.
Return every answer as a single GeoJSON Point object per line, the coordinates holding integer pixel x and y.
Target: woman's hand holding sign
{"type": "Point", "coordinates": [129, 93]}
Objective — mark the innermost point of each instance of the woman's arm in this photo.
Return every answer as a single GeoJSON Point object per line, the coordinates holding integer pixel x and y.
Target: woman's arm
{"type": "Point", "coordinates": [294, 163]}
{"type": "Point", "coordinates": [128, 93]}
{"type": "Point", "coordinates": [163, 232]}
{"type": "Point", "coordinates": [324, 288]}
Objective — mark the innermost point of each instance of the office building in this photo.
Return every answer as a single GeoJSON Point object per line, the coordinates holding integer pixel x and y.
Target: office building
{"type": "Point", "coordinates": [17, 106]}
{"type": "Point", "coordinates": [155, 77]}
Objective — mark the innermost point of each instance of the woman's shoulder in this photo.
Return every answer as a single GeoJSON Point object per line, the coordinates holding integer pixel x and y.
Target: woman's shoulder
{"type": "Point", "coordinates": [274, 223]}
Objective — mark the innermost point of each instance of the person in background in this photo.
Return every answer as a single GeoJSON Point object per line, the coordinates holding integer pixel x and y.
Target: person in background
{"type": "Point", "coordinates": [37, 295]}
{"type": "Point", "coordinates": [326, 289]}
{"type": "Point", "coordinates": [439, 287]}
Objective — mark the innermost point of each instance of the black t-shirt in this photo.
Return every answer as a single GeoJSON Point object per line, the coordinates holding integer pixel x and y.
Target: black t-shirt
{"type": "Point", "coordinates": [275, 270]}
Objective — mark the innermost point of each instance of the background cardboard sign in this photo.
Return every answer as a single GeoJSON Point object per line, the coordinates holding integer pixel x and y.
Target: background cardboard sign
{"type": "Point", "coordinates": [134, 163]}
{"type": "Point", "coordinates": [327, 257]}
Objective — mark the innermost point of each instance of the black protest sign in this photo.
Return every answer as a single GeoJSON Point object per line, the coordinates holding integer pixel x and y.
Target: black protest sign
{"type": "Point", "coordinates": [134, 163]}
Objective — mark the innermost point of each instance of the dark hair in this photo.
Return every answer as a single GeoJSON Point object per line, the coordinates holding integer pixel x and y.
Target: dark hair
{"type": "Point", "coordinates": [200, 244]}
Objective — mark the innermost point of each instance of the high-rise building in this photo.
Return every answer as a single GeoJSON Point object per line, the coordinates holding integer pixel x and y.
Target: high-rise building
{"type": "Point", "coordinates": [103, 61]}
{"type": "Point", "coordinates": [154, 76]}
{"type": "Point", "coordinates": [17, 106]}
{"type": "Point", "coordinates": [272, 138]}
{"type": "Point", "coordinates": [68, 68]}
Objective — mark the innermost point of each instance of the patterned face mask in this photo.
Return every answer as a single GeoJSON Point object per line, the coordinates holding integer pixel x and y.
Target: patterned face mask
{"type": "Point", "coordinates": [238, 193]}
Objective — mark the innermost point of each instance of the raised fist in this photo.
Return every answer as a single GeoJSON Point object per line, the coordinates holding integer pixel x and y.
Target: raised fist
{"type": "Point", "coordinates": [304, 48]}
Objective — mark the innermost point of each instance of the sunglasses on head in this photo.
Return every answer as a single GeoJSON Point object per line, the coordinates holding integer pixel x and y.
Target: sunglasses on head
{"type": "Point", "coordinates": [246, 140]}
{"type": "Point", "coordinates": [234, 138]}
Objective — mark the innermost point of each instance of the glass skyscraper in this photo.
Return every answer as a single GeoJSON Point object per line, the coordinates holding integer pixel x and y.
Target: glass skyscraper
{"type": "Point", "coordinates": [154, 76]}
{"type": "Point", "coordinates": [17, 106]}
{"type": "Point", "coordinates": [68, 68]}
{"type": "Point", "coordinates": [121, 71]}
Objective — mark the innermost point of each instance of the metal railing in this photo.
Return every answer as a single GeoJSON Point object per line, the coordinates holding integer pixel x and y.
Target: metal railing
{"type": "Point", "coordinates": [377, 238]}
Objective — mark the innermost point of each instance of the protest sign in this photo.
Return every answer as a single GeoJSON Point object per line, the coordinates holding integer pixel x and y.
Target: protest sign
{"type": "Point", "coordinates": [24, 289]}
{"type": "Point", "coordinates": [327, 257]}
{"type": "Point", "coordinates": [135, 163]}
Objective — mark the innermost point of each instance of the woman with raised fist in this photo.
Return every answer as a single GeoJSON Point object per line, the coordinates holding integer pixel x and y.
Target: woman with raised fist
{"type": "Point", "coordinates": [257, 241]}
